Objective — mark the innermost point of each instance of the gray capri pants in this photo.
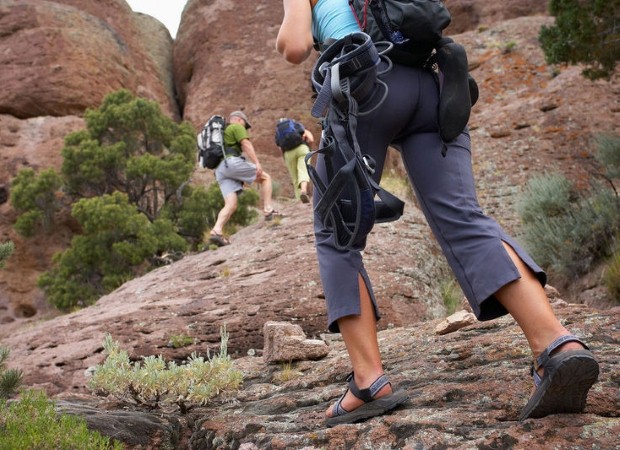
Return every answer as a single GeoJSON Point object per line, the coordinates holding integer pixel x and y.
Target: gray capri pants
{"type": "Point", "coordinates": [444, 186]}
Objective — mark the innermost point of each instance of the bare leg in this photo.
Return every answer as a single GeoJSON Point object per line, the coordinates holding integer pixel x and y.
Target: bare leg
{"type": "Point", "coordinates": [527, 303]}
{"type": "Point", "coordinates": [230, 206]}
{"type": "Point", "coordinates": [360, 337]}
{"type": "Point", "coordinates": [266, 191]}
{"type": "Point", "coordinates": [303, 192]}
{"type": "Point", "coordinates": [304, 187]}
{"type": "Point", "coordinates": [575, 370]}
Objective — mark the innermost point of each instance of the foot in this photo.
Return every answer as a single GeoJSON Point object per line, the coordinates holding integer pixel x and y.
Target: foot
{"type": "Point", "coordinates": [562, 348]}
{"type": "Point", "coordinates": [361, 404]}
{"type": "Point", "coordinates": [571, 370]}
{"type": "Point", "coordinates": [350, 402]}
{"type": "Point", "coordinates": [270, 215]}
{"type": "Point", "coordinates": [218, 239]}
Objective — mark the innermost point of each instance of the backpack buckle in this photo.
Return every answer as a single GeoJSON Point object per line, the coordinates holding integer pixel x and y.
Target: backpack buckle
{"type": "Point", "coordinates": [369, 163]}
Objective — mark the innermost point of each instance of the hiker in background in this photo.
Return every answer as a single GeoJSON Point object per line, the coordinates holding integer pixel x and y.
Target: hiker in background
{"type": "Point", "coordinates": [294, 141]}
{"type": "Point", "coordinates": [495, 273]}
{"type": "Point", "coordinates": [235, 171]}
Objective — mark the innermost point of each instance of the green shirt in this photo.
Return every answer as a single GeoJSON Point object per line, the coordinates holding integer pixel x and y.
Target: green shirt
{"type": "Point", "coordinates": [234, 134]}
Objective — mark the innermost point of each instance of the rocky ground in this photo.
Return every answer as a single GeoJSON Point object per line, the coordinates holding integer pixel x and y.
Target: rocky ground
{"type": "Point", "coordinates": [466, 387]}
{"type": "Point", "coordinates": [466, 391]}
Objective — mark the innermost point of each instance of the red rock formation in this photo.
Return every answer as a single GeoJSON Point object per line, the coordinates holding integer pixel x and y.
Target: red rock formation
{"type": "Point", "coordinates": [59, 58]}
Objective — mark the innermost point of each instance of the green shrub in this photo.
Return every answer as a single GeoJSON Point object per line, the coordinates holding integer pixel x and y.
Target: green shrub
{"type": "Point", "coordinates": [545, 196]}
{"type": "Point", "coordinates": [245, 214]}
{"type": "Point", "coordinates": [35, 198]}
{"type": "Point", "coordinates": [130, 146]}
{"type": "Point", "coordinates": [128, 178]}
{"type": "Point", "coordinates": [608, 154]}
{"type": "Point", "coordinates": [180, 340]}
{"type": "Point", "coordinates": [200, 208]}
{"type": "Point", "coordinates": [451, 295]}
{"type": "Point", "coordinates": [32, 423]}
{"type": "Point", "coordinates": [117, 241]}
{"type": "Point", "coordinates": [584, 31]}
{"type": "Point", "coordinates": [6, 250]}
{"type": "Point", "coordinates": [611, 278]}
{"type": "Point", "coordinates": [565, 231]}
{"type": "Point", "coordinates": [10, 379]}
{"type": "Point", "coordinates": [156, 382]}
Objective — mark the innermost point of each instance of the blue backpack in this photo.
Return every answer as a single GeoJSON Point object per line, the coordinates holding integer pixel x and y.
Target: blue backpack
{"type": "Point", "coordinates": [289, 134]}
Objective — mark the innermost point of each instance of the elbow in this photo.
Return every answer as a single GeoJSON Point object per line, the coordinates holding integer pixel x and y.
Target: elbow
{"type": "Point", "coordinates": [294, 54]}
{"type": "Point", "coordinates": [296, 57]}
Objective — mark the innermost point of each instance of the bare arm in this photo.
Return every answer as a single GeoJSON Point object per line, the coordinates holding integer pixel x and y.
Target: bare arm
{"type": "Point", "coordinates": [294, 40]}
{"type": "Point", "coordinates": [248, 149]}
{"type": "Point", "coordinates": [308, 137]}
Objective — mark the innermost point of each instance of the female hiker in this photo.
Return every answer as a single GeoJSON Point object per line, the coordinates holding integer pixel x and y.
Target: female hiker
{"type": "Point", "coordinates": [495, 273]}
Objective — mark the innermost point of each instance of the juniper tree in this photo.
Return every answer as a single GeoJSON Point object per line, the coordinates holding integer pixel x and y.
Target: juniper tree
{"type": "Point", "coordinates": [130, 146]}
{"type": "Point", "coordinates": [10, 379]}
{"type": "Point", "coordinates": [585, 31]}
{"type": "Point", "coordinates": [115, 246]}
{"type": "Point", "coordinates": [35, 197]}
{"type": "Point", "coordinates": [127, 177]}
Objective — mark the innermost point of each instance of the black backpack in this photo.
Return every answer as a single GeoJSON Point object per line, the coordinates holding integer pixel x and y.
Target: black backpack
{"type": "Point", "coordinates": [289, 134]}
{"type": "Point", "coordinates": [211, 142]}
{"type": "Point", "coordinates": [414, 27]}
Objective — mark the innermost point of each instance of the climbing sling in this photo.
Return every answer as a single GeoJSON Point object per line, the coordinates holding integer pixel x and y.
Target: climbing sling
{"type": "Point", "coordinates": [346, 80]}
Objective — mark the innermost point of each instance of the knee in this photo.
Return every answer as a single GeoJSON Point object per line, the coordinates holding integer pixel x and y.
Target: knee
{"type": "Point", "coordinates": [230, 202]}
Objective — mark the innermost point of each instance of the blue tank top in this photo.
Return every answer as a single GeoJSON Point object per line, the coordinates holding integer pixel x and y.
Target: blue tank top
{"type": "Point", "coordinates": [333, 19]}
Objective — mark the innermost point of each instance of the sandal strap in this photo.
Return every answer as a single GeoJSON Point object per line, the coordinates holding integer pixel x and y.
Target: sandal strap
{"type": "Point", "coordinates": [544, 357]}
{"type": "Point", "coordinates": [367, 395]}
{"type": "Point", "coordinates": [338, 410]}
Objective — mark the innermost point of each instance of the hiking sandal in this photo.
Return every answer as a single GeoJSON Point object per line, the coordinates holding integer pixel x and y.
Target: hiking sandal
{"type": "Point", "coordinates": [372, 407]}
{"type": "Point", "coordinates": [218, 239]}
{"type": "Point", "coordinates": [565, 383]}
{"type": "Point", "coordinates": [270, 215]}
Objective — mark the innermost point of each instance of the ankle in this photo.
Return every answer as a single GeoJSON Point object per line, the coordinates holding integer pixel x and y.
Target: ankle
{"type": "Point", "coordinates": [568, 345]}
{"type": "Point", "coordinates": [544, 337]}
{"type": "Point", "coordinates": [364, 380]}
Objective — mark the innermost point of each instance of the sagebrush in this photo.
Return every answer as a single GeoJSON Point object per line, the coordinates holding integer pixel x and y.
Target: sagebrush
{"type": "Point", "coordinates": [156, 383]}
{"type": "Point", "coordinates": [568, 230]}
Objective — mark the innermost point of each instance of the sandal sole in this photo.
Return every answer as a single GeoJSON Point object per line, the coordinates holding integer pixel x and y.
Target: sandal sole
{"type": "Point", "coordinates": [568, 377]}
{"type": "Point", "coordinates": [455, 98]}
{"type": "Point", "coordinates": [220, 241]}
{"type": "Point", "coordinates": [371, 409]}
